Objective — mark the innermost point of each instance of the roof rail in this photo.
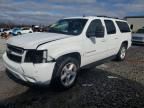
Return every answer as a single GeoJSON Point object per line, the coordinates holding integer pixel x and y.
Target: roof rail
{"type": "Point", "coordinates": [108, 17]}
{"type": "Point", "coordinates": [104, 16]}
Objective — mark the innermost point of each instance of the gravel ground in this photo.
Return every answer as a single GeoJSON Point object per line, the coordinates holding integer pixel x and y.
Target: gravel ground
{"type": "Point", "coordinates": [111, 85]}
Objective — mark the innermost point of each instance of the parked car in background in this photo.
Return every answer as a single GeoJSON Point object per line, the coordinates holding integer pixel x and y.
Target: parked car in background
{"type": "Point", "coordinates": [26, 30]}
{"type": "Point", "coordinates": [16, 31]}
{"type": "Point", "coordinates": [1, 31]}
{"type": "Point", "coordinates": [7, 31]}
{"type": "Point", "coordinates": [138, 37]}
{"type": "Point", "coordinates": [19, 31]}
{"type": "Point", "coordinates": [37, 28]}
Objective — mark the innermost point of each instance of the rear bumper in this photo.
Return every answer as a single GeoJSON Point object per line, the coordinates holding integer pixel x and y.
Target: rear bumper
{"type": "Point", "coordinates": [29, 72]}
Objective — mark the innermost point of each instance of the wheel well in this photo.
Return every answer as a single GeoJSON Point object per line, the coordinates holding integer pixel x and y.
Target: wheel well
{"type": "Point", "coordinates": [125, 43]}
{"type": "Point", "coordinates": [19, 32]}
{"type": "Point", "coordinates": [75, 55]}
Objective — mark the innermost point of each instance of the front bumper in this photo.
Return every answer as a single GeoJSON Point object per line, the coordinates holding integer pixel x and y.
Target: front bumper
{"type": "Point", "coordinates": [29, 72]}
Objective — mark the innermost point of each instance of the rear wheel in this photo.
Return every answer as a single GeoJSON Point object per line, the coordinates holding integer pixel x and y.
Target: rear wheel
{"type": "Point", "coordinates": [122, 52]}
{"type": "Point", "coordinates": [65, 73]}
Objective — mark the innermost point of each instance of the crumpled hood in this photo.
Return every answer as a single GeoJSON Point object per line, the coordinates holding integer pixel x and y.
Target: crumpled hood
{"type": "Point", "coordinates": [137, 35]}
{"type": "Point", "coordinates": [32, 40]}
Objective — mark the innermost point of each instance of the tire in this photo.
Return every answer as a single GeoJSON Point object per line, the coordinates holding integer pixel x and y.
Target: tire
{"type": "Point", "coordinates": [122, 53]}
{"type": "Point", "coordinates": [19, 33]}
{"type": "Point", "coordinates": [65, 73]}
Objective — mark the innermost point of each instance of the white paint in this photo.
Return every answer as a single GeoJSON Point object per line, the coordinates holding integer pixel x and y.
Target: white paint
{"type": "Point", "coordinates": [64, 44]}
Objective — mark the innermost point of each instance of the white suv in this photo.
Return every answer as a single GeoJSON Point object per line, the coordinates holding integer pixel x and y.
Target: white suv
{"type": "Point", "coordinates": [70, 44]}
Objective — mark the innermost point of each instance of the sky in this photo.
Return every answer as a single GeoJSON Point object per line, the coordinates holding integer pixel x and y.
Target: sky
{"type": "Point", "coordinates": [48, 11]}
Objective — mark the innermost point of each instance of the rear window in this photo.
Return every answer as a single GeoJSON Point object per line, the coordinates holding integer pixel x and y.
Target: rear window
{"type": "Point", "coordinates": [123, 26]}
{"type": "Point", "coordinates": [110, 27]}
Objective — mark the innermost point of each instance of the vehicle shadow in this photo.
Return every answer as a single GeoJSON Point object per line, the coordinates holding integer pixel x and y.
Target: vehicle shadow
{"type": "Point", "coordinates": [94, 88]}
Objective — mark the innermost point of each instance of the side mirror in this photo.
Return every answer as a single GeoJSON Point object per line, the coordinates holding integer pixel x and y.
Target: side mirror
{"type": "Point", "coordinates": [131, 26]}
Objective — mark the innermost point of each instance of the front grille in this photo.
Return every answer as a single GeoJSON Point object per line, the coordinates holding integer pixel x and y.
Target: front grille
{"type": "Point", "coordinates": [15, 49]}
{"type": "Point", "coordinates": [14, 58]}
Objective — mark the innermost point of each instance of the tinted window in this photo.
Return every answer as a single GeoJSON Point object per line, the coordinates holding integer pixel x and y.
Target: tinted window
{"type": "Point", "coordinates": [110, 27]}
{"type": "Point", "coordinates": [96, 28]}
{"type": "Point", "coordinates": [123, 26]}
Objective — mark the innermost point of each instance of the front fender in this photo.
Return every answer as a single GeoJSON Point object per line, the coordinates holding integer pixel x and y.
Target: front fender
{"type": "Point", "coordinates": [59, 53]}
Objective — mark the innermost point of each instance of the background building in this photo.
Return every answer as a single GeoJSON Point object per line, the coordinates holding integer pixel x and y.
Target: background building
{"type": "Point", "coordinates": [136, 21]}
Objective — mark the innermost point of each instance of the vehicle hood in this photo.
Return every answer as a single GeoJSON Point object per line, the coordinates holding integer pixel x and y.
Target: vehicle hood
{"type": "Point", "coordinates": [32, 40]}
{"type": "Point", "coordinates": [137, 35]}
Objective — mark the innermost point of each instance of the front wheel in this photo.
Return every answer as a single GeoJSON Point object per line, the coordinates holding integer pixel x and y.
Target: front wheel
{"type": "Point", "coordinates": [122, 53]}
{"type": "Point", "coordinates": [65, 73]}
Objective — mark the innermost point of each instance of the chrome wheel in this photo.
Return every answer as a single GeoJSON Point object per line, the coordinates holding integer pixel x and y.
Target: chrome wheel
{"type": "Point", "coordinates": [123, 53]}
{"type": "Point", "coordinates": [68, 74]}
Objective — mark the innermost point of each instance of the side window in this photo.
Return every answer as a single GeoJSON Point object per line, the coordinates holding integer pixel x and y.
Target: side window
{"type": "Point", "coordinates": [123, 26]}
{"type": "Point", "coordinates": [110, 27]}
{"type": "Point", "coordinates": [95, 29]}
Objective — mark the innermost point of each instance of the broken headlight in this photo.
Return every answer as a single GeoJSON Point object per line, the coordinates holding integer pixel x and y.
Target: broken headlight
{"type": "Point", "coordinates": [36, 56]}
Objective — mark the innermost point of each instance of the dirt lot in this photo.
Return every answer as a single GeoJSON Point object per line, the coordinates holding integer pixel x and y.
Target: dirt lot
{"type": "Point", "coordinates": [111, 85]}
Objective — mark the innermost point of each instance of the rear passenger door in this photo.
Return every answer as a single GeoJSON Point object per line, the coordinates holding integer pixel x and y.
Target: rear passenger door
{"type": "Point", "coordinates": [111, 37]}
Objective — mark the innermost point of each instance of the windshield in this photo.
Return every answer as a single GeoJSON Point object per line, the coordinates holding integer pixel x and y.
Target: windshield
{"type": "Point", "coordinates": [140, 31]}
{"type": "Point", "coordinates": [68, 26]}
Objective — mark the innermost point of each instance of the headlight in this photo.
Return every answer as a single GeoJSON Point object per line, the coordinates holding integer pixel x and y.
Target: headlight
{"type": "Point", "coordinates": [36, 56]}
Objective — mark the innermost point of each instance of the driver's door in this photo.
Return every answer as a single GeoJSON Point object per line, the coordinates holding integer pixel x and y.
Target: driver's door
{"type": "Point", "coordinates": [95, 43]}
